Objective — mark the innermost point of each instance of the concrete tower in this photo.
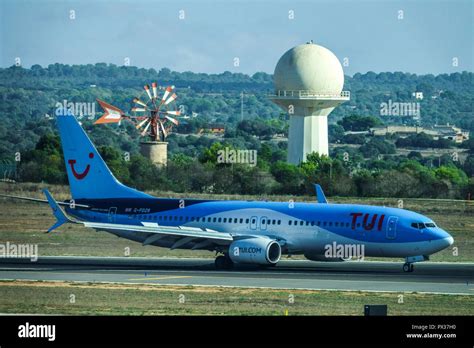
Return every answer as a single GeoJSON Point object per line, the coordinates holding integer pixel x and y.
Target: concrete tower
{"type": "Point", "coordinates": [155, 151]}
{"type": "Point", "coordinates": [308, 85]}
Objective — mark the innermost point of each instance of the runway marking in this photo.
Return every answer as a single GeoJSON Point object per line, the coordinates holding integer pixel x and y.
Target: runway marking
{"type": "Point", "coordinates": [260, 287]}
{"type": "Point", "coordinates": [160, 278]}
{"type": "Point", "coordinates": [237, 275]}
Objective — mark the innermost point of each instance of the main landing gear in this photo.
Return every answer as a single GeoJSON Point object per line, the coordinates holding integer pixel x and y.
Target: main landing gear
{"type": "Point", "coordinates": [223, 262]}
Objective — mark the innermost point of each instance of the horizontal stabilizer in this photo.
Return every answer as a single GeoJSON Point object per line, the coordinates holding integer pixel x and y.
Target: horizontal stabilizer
{"type": "Point", "coordinates": [38, 200]}
{"type": "Point", "coordinates": [61, 217]}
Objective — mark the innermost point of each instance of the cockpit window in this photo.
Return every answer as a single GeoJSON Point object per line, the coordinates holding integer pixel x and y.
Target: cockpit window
{"type": "Point", "coordinates": [421, 225]}
{"type": "Point", "coordinates": [418, 225]}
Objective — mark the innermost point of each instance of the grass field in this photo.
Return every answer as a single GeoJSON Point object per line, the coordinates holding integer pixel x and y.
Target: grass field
{"type": "Point", "coordinates": [26, 222]}
{"type": "Point", "coordinates": [121, 299]}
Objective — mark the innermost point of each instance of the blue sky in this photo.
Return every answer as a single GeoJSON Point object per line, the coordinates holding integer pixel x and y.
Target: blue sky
{"type": "Point", "coordinates": [429, 37]}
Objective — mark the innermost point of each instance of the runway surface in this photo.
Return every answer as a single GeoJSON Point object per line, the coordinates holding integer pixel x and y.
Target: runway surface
{"type": "Point", "coordinates": [442, 278]}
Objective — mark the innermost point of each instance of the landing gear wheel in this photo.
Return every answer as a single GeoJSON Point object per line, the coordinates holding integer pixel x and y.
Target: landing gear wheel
{"type": "Point", "coordinates": [223, 262]}
{"type": "Point", "coordinates": [408, 267]}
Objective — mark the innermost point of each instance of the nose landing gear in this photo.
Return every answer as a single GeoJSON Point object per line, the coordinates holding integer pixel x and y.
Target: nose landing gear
{"type": "Point", "coordinates": [409, 261]}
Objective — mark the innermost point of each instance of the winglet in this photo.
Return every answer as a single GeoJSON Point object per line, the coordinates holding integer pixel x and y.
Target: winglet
{"type": "Point", "coordinates": [61, 217]}
{"type": "Point", "coordinates": [321, 198]}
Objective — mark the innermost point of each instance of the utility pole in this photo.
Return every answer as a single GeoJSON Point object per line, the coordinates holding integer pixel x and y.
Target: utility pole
{"type": "Point", "coordinates": [242, 106]}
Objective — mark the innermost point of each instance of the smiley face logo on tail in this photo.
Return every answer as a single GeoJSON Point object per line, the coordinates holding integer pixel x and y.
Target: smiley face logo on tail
{"type": "Point", "coordinates": [80, 176]}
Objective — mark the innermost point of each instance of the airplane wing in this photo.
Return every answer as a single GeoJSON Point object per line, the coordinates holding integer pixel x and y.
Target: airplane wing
{"type": "Point", "coordinates": [177, 231]}
{"type": "Point", "coordinates": [321, 198]}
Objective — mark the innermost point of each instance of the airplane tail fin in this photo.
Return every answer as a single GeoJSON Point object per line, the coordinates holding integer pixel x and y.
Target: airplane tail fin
{"type": "Point", "coordinates": [88, 174]}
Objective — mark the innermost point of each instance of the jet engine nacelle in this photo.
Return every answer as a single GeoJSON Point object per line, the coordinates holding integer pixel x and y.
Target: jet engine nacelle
{"type": "Point", "coordinates": [261, 251]}
{"type": "Point", "coordinates": [322, 257]}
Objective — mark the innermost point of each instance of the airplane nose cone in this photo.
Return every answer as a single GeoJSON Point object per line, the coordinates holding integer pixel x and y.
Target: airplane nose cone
{"type": "Point", "coordinates": [446, 238]}
{"type": "Point", "coordinates": [441, 241]}
{"type": "Point", "coordinates": [449, 240]}
{"type": "Point", "coordinates": [444, 242]}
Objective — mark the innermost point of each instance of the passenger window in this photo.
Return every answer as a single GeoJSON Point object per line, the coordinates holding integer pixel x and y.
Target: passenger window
{"type": "Point", "coordinates": [301, 223]}
{"type": "Point", "coordinates": [224, 220]}
{"type": "Point", "coordinates": [273, 222]}
{"type": "Point", "coordinates": [279, 222]}
{"type": "Point", "coordinates": [307, 223]}
{"type": "Point", "coordinates": [289, 222]}
{"type": "Point", "coordinates": [219, 219]}
{"type": "Point", "coordinates": [247, 221]}
{"type": "Point", "coordinates": [214, 219]}
{"type": "Point", "coordinates": [241, 220]}
{"type": "Point", "coordinates": [324, 223]}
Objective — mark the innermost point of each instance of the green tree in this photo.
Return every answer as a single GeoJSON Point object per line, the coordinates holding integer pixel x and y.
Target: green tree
{"type": "Point", "coordinates": [359, 123]}
{"type": "Point", "coordinates": [289, 176]}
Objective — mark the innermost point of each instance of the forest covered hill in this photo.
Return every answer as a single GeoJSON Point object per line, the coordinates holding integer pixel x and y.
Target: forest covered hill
{"type": "Point", "coordinates": [240, 102]}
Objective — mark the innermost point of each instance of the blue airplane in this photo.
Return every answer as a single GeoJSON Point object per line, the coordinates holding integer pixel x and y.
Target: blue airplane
{"type": "Point", "coordinates": [249, 232]}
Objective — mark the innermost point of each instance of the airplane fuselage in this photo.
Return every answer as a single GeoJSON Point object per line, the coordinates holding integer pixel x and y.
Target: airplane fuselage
{"type": "Point", "coordinates": [306, 228]}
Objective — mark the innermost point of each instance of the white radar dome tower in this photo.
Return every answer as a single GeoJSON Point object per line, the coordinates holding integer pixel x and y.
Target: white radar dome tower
{"type": "Point", "coordinates": [308, 85]}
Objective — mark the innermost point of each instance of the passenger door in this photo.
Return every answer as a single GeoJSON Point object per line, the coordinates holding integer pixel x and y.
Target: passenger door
{"type": "Point", "coordinates": [112, 213]}
{"type": "Point", "coordinates": [391, 232]}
